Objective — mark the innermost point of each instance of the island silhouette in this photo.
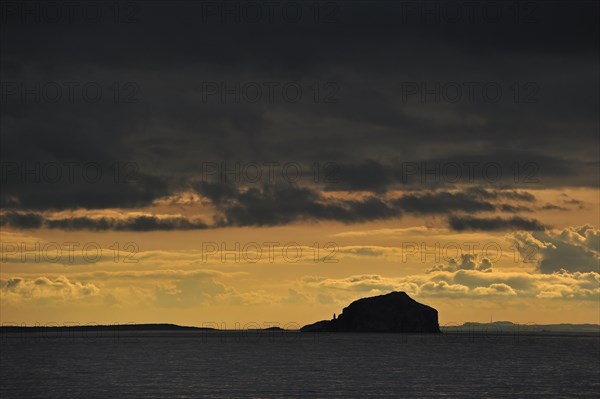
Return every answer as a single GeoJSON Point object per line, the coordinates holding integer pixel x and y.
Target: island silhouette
{"type": "Point", "coordinates": [394, 312]}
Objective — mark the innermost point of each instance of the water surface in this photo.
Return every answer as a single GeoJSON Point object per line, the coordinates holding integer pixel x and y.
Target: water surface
{"type": "Point", "coordinates": [283, 365]}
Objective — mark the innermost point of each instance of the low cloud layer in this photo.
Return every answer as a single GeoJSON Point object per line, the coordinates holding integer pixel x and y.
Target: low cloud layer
{"type": "Point", "coordinates": [466, 262]}
{"type": "Point", "coordinates": [470, 284]}
{"type": "Point", "coordinates": [575, 249]}
{"type": "Point", "coordinates": [45, 290]}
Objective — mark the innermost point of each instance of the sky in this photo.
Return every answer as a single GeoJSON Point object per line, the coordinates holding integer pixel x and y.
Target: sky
{"type": "Point", "coordinates": [247, 163]}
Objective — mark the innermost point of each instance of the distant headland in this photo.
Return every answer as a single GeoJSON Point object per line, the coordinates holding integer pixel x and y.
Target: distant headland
{"type": "Point", "coordinates": [395, 312]}
{"type": "Point", "coordinates": [100, 327]}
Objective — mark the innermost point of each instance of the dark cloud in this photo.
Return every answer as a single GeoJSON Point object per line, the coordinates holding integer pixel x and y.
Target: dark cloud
{"type": "Point", "coordinates": [541, 133]}
{"type": "Point", "coordinates": [462, 223]}
{"type": "Point", "coordinates": [496, 168]}
{"type": "Point", "coordinates": [514, 208]}
{"type": "Point", "coordinates": [272, 205]}
{"type": "Point", "coordinates": [369, 175]}
{"type": "Point", "coordinates": [280, 204]}
{"type": "Point", "coordinates": [501, 194]}
{"type": "Point", "coordinates": [137, 223]}
{"type": "Point", "coordinates": [575, 203]}
{"type": "Point", "coordinates": [20, 192]}
{"type": "Point", "coordinates": [442, 203]}
{"type": "Point", "coordinates": [474, 199]}
{"type": "Point", "coordinates": [552, 207]}
{"type": "Point", "coordinates": [217, 192]}
{"type": "Point", "coordinates": [22, 220]}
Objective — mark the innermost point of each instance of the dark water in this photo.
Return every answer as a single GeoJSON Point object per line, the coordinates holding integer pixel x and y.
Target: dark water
{"type": "Point", "coordinates": [283, 365]}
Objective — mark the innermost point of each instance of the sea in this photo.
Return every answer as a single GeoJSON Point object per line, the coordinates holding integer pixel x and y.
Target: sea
{"type": "Point", "coordinates": [264, 364]}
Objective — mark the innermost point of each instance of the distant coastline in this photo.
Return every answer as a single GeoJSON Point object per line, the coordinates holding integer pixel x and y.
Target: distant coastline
{"type": "Point", "coordinates": [468, 327]}
{"type": "Point", "coordinates": [104, 327]}
{"type": "Point", "coordinates": [507, 326]}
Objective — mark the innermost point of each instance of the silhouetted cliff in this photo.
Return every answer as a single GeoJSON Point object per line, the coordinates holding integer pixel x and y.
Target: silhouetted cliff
{"type": "Point", "coordinates": [393, 312]}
